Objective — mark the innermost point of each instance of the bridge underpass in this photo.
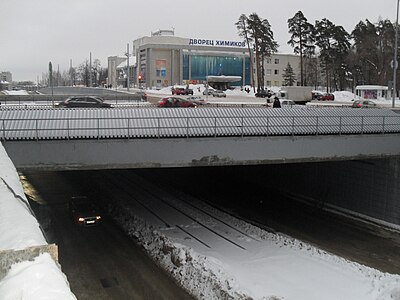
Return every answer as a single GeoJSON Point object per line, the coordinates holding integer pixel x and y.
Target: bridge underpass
{"type": "Point", "coordinates": [301, 180]}
{"type": "Point", "coordinates": [79, 139]}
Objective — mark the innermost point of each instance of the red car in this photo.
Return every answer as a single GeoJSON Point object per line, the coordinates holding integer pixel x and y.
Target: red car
{"type": "Point", "coordinates": [322, 96]}
{"type": "Point", "coordinates": [175, 102]}
{"type": "Point", "coordinates": [327, 97]}
{"type": "Point", "coordinates": [182, 91]}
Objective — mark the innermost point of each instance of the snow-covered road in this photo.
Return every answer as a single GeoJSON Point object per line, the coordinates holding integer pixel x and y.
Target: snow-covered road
{"type": "Point", "coordinates": [215, 255]}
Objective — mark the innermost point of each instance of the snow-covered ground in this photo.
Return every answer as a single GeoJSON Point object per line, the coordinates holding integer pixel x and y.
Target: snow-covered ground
{"type": "Point", "coordinates": [18, 92]}
{"type": "Point", "coordinates": [19, 229]}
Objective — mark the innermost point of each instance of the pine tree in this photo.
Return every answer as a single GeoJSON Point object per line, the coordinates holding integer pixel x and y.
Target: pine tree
{"type": "Point", "coordinates": [289, 77]}
{"type": "Point", "coordinates": [302, 39]}
{"type": "Point", "coordinates": [333, 42]}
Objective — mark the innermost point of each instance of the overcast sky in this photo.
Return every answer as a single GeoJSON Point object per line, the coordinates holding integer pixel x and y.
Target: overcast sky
{"type": "Point", "coordinates": [34, 32]}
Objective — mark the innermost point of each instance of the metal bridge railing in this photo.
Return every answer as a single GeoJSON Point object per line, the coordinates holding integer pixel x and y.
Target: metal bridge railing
{"type": "Point", "coordinates": [196, 126]}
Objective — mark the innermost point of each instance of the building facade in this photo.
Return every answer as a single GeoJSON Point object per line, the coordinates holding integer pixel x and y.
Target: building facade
{"type": "Point", "coordinates": [164, 59]}
{"type": "Point", "coordinates": [275, 66]}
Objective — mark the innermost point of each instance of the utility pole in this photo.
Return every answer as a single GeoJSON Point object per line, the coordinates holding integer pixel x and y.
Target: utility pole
{"type": "Point", "coordinates": [395, 63]}
{"type": "Point", "coordinates": [90, 70]}
{"type": "Point", "coordinates": [51, 82]}
{"type": "Point", "coordinates": [127, 73]}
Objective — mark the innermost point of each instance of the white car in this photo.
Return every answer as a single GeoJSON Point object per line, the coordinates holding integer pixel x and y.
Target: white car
{"type": "Point", "coordinates": [219, 93]}
{"type": "Point", "coordinates": [287, 103]}
{"type": "Point", "coordinates": [197, 99]}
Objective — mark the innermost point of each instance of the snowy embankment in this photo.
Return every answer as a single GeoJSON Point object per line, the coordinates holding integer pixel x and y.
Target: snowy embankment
{"type": "Point", "coordinates": [269, 266]}
{"type": "Point", "coordinates": [40, 278]}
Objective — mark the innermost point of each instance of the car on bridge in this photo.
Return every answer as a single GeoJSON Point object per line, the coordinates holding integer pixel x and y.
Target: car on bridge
{"type": "Point", "coordinates": [176, 102]}
{"type": "Point", "coordinates": [84, 101]}
{"type": "Point", "coordinates": [84, 212]}
{"type": "Point", "coordinates": [197, 99]}
{"type": "Point", "coordinates": [364, 104]}
{"type": "Point", "coordinates": [218, 93]}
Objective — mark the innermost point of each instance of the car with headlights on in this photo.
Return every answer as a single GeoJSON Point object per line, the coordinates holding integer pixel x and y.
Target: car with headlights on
{"type": "Point", "coordinates": [84, 212]}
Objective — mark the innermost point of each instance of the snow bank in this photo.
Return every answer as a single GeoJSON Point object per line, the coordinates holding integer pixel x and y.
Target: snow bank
{"type": "Point", "coordinates": [19, 229]}
{"type": "Point", "coordinates": [197, 274]}
{"type": "Point", "coordinates": [274, 266]}
{"type": "Point", "coordinates": [38, 279]}
{"type": "Point", "coordinates": [20, 92]}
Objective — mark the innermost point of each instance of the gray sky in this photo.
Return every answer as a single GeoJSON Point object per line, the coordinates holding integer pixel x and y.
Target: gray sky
{"type": "Point", "coordinates": [34, 32]}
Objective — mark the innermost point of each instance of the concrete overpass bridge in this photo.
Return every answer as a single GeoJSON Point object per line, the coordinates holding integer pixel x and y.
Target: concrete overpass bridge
{"type": "Point", "coordinates": [65, 139]}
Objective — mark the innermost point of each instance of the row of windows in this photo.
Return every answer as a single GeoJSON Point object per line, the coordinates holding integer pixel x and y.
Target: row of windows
{"type": "Point", "coordinates": [268, 72]}
{"type": "Point", "coordinates": [269, 61]}
{"type": "Point", "coordinates": [202, 66]}
{"type": "Point", "coordinates": [275, 83]}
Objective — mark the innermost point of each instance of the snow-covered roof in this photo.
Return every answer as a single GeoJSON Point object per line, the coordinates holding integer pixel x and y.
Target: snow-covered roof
{"type": "Point", "coordinates": [371, 87]}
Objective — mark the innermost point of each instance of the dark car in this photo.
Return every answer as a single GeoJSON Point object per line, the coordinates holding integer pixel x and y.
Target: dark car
{"type": "Point", "coordinates": [175, 102]}
{"type": "Point", "coordinates": [263, 94]}
{"type": "Point", "coordinates": [84, 212]}
{"type": "Point", "coordinates": [84, 101]}
{"type": "Point", "coordinates": [181, 91]}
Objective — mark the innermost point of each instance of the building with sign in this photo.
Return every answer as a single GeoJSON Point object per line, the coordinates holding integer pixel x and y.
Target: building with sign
{"type": "Point", "coordinates": [164, 59]}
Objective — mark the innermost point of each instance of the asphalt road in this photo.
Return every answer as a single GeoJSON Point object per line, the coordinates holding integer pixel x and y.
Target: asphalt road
{"type": "Point", "coordinates": [100, 262]}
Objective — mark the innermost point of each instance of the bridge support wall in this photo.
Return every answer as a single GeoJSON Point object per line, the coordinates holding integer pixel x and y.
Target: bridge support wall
{"type": "Point", "coordinates": [193, 152]}
{"type": "Point", "coordinates": [366, 188]}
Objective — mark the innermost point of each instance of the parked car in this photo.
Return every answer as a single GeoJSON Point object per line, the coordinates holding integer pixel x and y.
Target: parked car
{"type": "Point", "coordinates": [218, 93]}
{"type": "Point", "coordinates": [175, 102]}
{"type": "Point", "coordinates": [322, 96]}
{"type": "Point", "coordinates": [264, 94]}
{"type": "Point", "coordinates": [181, 91]}
{"type": "Point", "coordinates": [364, 104]}
{"type": "Point", "coordinates": [84, 101]}
{"type": "Point", "coordinates": [197, 99]}
{"type": "Point", "coordinates": [209, 91]}
{"type": "Point", "coordinates": [327, 97]}
{"type": "Point", "coordinates": [84, 212]}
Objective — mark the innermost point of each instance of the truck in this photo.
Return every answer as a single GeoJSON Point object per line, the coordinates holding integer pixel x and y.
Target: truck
{"type": "Point", "coordinates": [299, 94]}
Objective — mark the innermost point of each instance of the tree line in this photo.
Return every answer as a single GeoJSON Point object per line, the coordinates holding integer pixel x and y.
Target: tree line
{"type": "Point", "coordinates": [329, 55]}
{"type": "Point", "coordinates": [78, 75]}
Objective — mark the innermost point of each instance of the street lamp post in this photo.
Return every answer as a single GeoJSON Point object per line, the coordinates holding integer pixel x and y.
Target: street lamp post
{"type": "Point", "coordinates": [128, 71]}
{"type": "Point", "coordinates": [395, 64]}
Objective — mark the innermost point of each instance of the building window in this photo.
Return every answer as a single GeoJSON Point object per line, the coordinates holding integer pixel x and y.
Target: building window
{"type": "Point", "coordinates": [268, 83]}
{"type": "Point", "coordinates": [277, 61]}
{"type": "Point", "coordinates": [276, 83]}
{"type": "Point", "coordinates": [161, 68]}
{"type": "Point", "coordinates": [268, 73]}
{"type": "Point", "coordinates": [269, 61]}
{"type": "Point", "coordinates": [276, 71]}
